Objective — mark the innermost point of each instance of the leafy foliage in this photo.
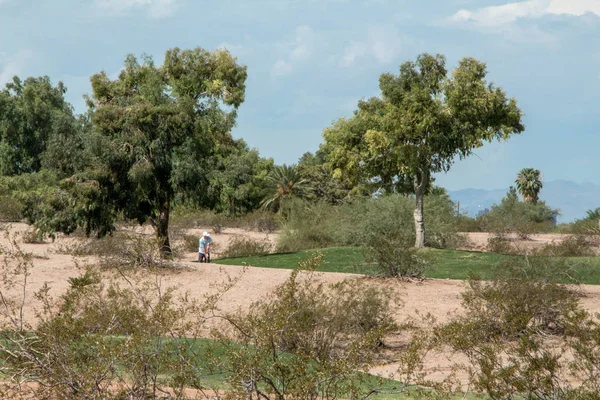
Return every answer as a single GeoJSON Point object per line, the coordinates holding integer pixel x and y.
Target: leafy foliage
{"type": "Point", "coordinates": [395, 257]}
{"type": "Point", "coordinates": [302, 343]}
{"type": "Point", "coordinates": [423, 120]}
{"type": "Point", "coordinates": [34, 118]}
{"type": "Point", "coordinates": [319, 225]}
{"type": "Point", "coordinates": [238, 180]}
{"type": "Point", "coordinates": [285, 182]}
{"type": "Point", "coordinates": [512, 215]}
{"type": "Point", "coordinates": [158, 126]}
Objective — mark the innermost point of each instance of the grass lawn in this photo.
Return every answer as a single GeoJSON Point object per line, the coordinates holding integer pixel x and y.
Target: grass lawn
{"type": "Point", "coordinates": [442, 264]}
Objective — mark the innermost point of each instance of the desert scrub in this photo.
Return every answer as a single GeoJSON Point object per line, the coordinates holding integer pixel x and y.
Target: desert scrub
{"type": "Point", "coordinates": [121, 249]}
{"type": "Point", "coordinates": [241, 246]}
{"type": "Point", "coordinates": [394, 256]}
{"type": "Point", "coordinates": [572, 246]}
{"type": "Point", "coordinates": [302, 343]}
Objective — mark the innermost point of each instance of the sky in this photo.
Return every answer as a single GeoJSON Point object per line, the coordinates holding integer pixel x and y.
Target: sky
{"type": "Point", "coordinates": [310, 61]}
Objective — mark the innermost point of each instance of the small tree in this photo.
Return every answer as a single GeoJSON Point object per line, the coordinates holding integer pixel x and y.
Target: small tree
{"type": "Point", "coordinates": [529, 184]}
{"type": "Point", "coordinates": [423, 120]}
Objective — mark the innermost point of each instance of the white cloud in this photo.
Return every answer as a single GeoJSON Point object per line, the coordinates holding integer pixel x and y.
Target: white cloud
{"type": "Point", "coordinates": [574, 7]}
{"type": "Point", "coordinates": [11, 66]}
{"type": "Point", "coordinates": [281, 68]}
{"type": "Point", "coordinates": [382, 44]}
{"type": "Point", "coordinates": [502, 15]}
{"type": "Point", "coordinates": [296, 51]}
{"type": "Point", "coordinates": [304, 45]}
{"type": "Point", "coordinates": [155, 8]}
{"type": "Point", "coordinates": [353, 51]}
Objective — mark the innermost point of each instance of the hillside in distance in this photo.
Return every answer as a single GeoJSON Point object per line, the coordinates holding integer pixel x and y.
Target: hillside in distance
{"type": "Point", "coordinates": [571, 198]}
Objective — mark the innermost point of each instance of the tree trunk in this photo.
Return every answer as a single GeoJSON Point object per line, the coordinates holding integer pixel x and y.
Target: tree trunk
{"type": "Point", "coordinates": [420, 182]}
{"type": "Point", "coordinates": [162, 229]}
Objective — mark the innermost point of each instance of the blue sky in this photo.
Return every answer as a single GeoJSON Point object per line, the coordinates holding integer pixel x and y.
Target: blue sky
{"type": "Point", "coordinates": [310, 61]}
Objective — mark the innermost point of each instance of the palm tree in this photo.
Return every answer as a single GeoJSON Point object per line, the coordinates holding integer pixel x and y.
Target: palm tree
{"type": "Point", "coordinates": [529, 184]}
{"type": "Point", "coordinates": [286, 181]}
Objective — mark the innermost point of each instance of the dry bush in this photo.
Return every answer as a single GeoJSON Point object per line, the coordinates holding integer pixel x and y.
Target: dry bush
{"type": "Point", "coordinates": [302, 343]}
{"type": "Point", "coordinates": [395, 257]}
{"type": "Point", "coordinates": [505, 332]}
{"type": "Point", "coordinates": [122, 250]}
{"type": "Point", "coordinates": [11, 209]}
{"type": "Point", "coordinates": [572, 246]}
{"type": "Point", "coordinates": [241, 246]}
{"type": "Point", "coordinates": [500, 244]}
{"type": "Point", "coordinates": [190, 243]}
{"type": "Point", "coordinates": [33, 236]}
{"type": "Point", "coordinates": [261, 221]}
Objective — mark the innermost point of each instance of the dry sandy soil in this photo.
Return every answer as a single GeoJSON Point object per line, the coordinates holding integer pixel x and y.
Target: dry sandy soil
{"type": "Point", "coordinates": [440, 298]}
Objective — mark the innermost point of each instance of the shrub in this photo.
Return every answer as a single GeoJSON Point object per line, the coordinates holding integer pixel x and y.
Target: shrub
{"type": "Point", "coordinates": [10, 209]}
{"type": "Point", "coordinates": [500, 244]}
{"type": "Point", "coordinates": [33, 236]}
{"type": "Point", "coordinates": [122, 250]}
{"type": "Point", "coordinates": [302, 343]}
{"type": "Point", "coordinates": [395, 257]}
{"type": "Point", "coordinates": [515, 216]}
{"type": "Point", "coordinates": [241, 246]}
{"type": "Point", "coordinates": [319, 225]}
{"type": "Point", "coordinates": [190, 243]}
{"type": "Point", "coordinates": [261, 221]}
{"type": "Point", "coordinates": [521, 297]}
{"type": "Point", "coordinates": [572, 246]}
{"type": "Point", "coordinates": [504, 335]}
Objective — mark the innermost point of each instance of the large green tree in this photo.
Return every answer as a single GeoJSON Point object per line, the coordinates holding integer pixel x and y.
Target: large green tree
{"type": "Point", "coordinates": [238, 180]}
{"type": "Point", "coordinates": [157, 127]}
{"type": "Point", "coordinates": [529, 184]}
{"type": "Point", "coordinates": [33, 116]}
{"type": "Point", "coordinates": [424, 119]}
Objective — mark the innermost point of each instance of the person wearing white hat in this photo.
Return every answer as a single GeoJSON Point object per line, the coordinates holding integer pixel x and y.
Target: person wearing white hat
{"type": "Point", "coordinates": [204, 248]}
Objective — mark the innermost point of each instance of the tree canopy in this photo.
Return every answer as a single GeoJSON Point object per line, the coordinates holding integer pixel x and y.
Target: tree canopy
{"type": "Point", "coordinates": [423, 120]}
{"type": "Point", "coordinates": [33, 116]}
{"type": "Point", "coordinates": [157, 128]}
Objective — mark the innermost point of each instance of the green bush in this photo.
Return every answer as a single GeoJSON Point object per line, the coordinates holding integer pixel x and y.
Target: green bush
{"type": "Point", "coordinates": [320, 225]}
{"type": "Point", "coordinates": [572, 246]}
{"type": "Point", "coordinates": [10, 209]}
{"type": "Point", "coordinates": [519, 217]}
{"type": "Point", "coordinates": [395, 257]}
{"type": "Point", "coordinates": [522, 296]}
{"type": "Point", "coordinates": [500, 244]}
{"type": "Point", "coordinates": [241, 246]}
{"type": "Point", "coordinates": [302, 343]}
{"type": "Point", "coordinates": [464, 223]}
{"type": "Point", "coordinates": [261, 221]}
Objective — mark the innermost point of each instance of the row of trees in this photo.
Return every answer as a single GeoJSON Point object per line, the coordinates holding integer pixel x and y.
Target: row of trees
{"type": "Point", "coordinates": [160, 135]}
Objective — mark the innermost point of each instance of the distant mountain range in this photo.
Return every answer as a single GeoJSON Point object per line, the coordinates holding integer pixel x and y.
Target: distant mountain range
{"type": "Point", "coordinates": [572, 199]}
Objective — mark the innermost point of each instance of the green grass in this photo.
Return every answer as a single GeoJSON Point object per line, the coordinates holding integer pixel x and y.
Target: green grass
{"type": "Point", "coordinates": [442, 264]}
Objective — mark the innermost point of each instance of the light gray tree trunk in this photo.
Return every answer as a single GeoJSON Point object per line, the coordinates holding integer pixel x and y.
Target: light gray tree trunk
{"type": "Point", "coordinates": [420, 183]}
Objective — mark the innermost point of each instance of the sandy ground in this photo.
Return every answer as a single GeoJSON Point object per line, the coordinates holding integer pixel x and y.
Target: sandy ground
{"type": "Point", "coordinates": [440, 298]}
